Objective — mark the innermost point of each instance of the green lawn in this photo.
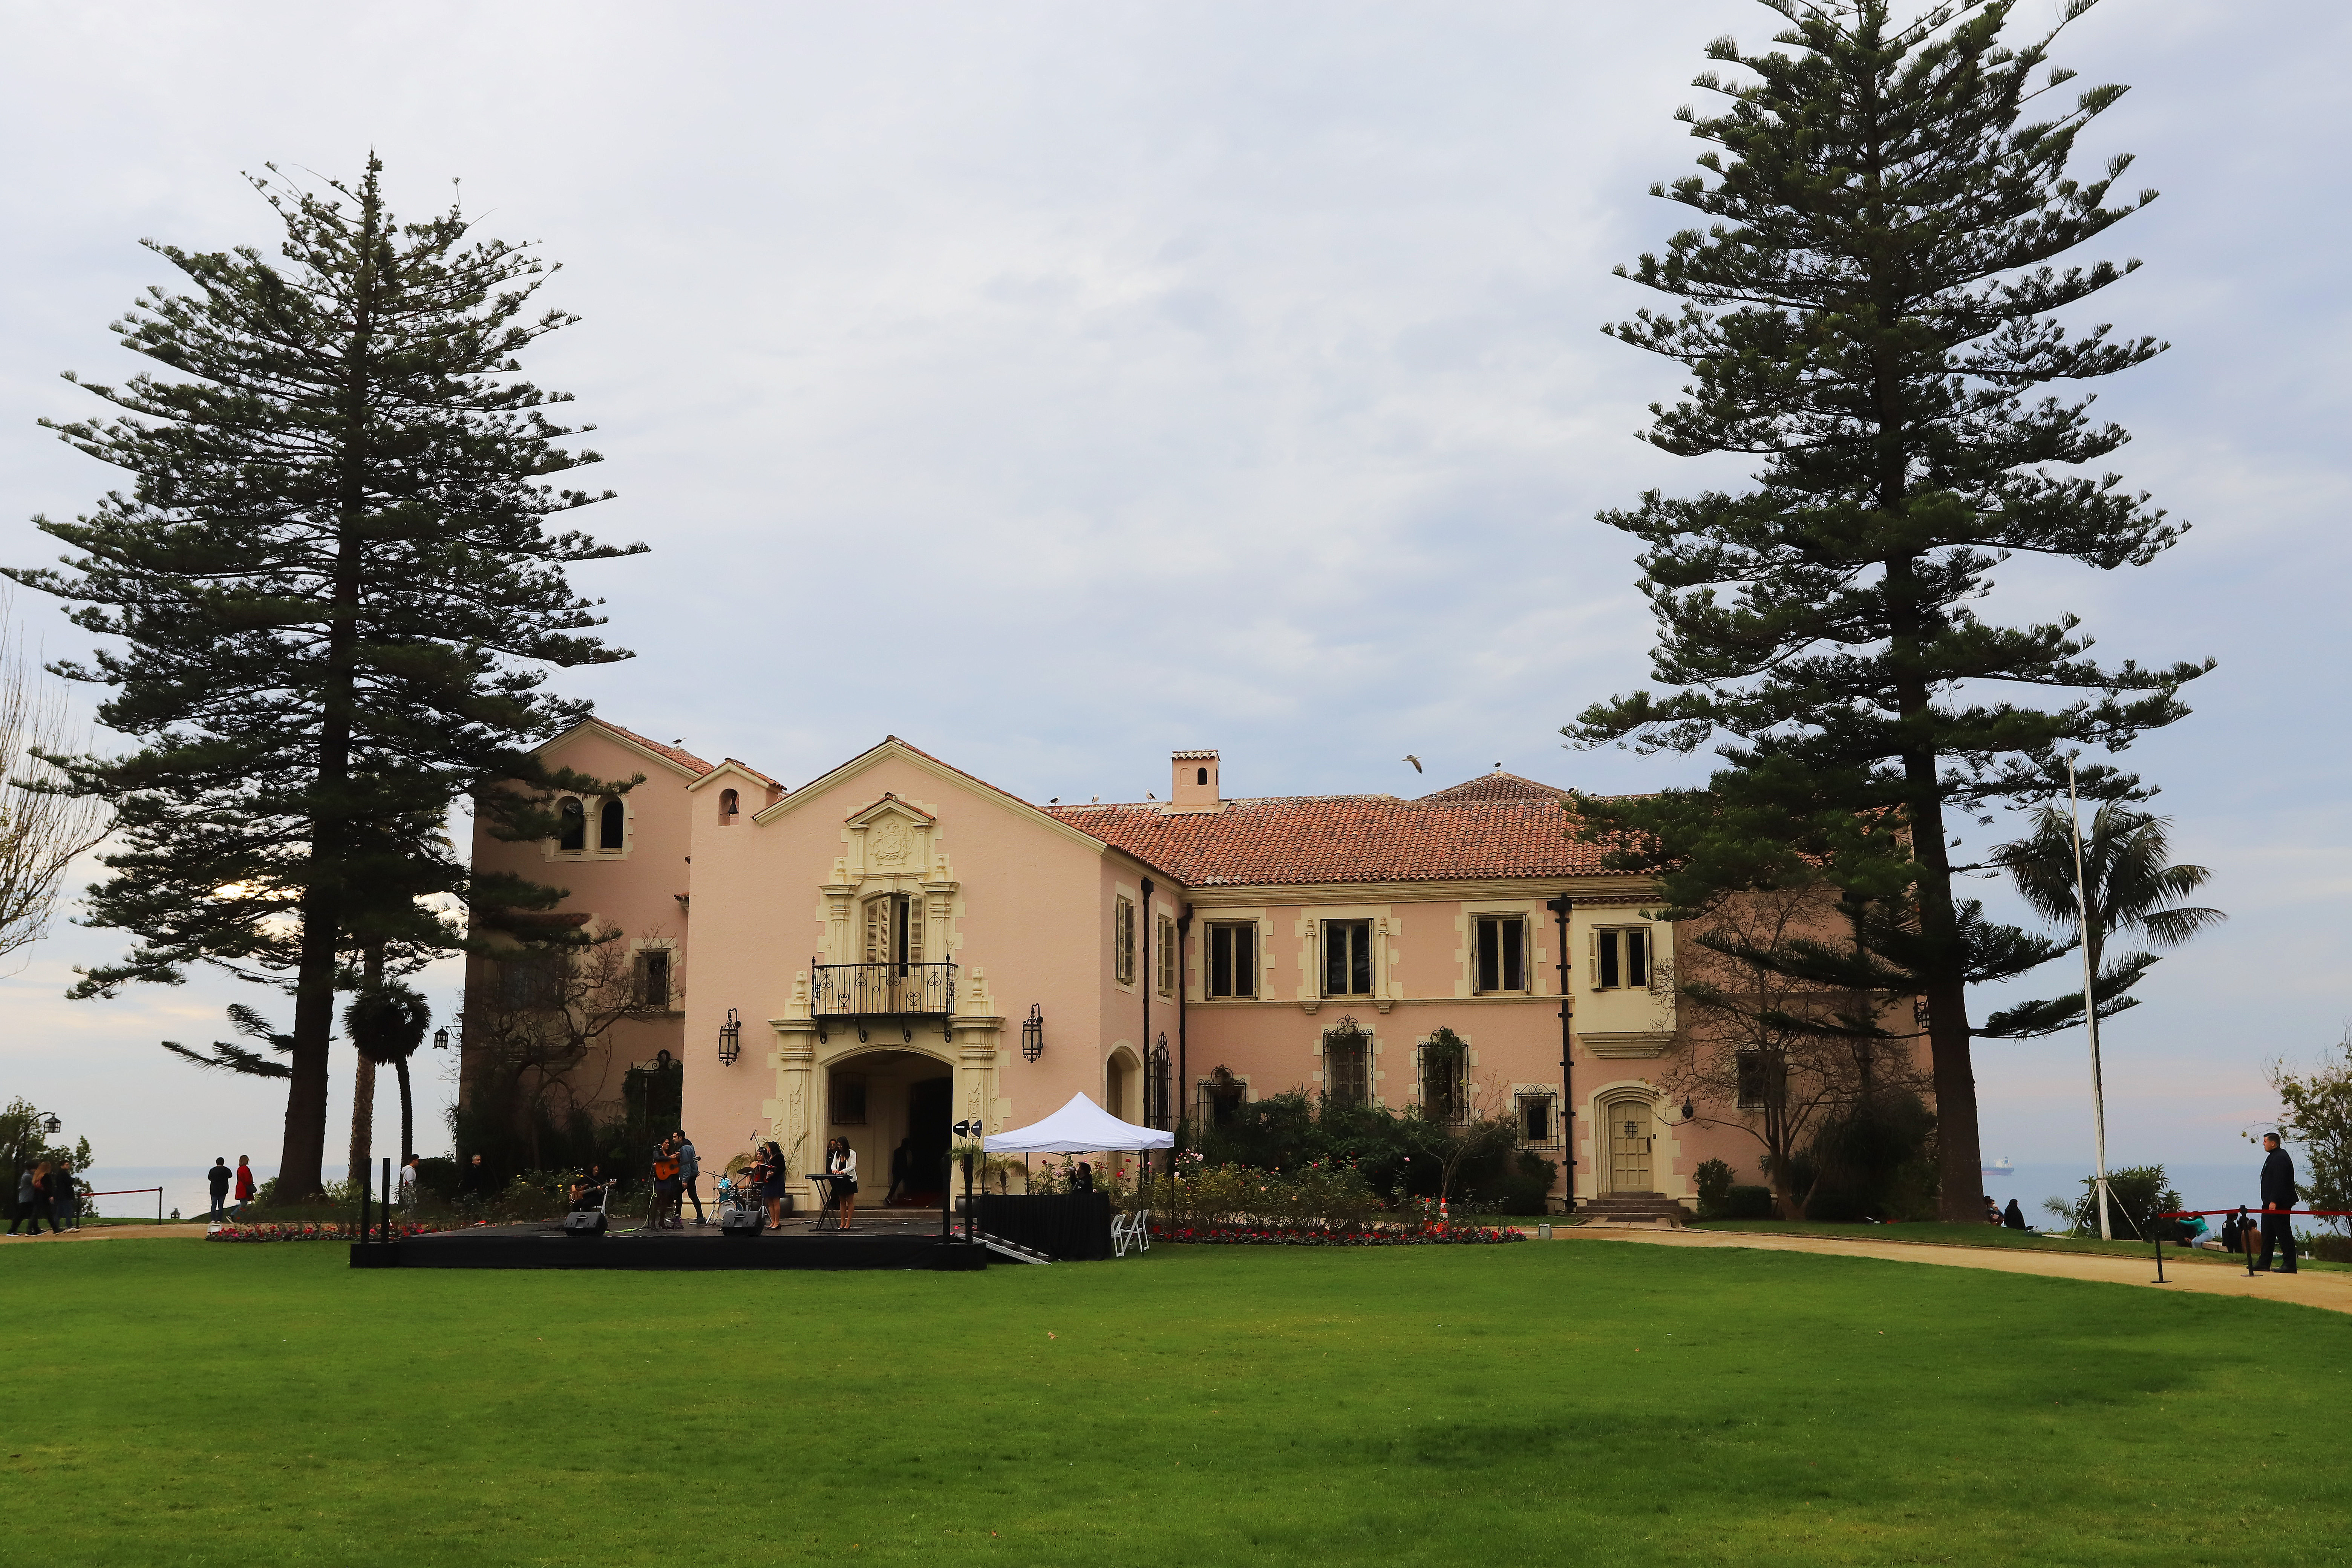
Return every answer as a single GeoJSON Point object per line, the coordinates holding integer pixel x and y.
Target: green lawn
{"type": "Point", "coordinates": [1938, 1235]}
{"type": "Point", "coordinates": [186, 1402]}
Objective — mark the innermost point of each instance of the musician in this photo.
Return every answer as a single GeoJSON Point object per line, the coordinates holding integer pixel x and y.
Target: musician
{"type": "Point", "coordinates": [588, 1191]}
{"type": "Point", "coordinates": [841, 1166]}
{"type": "Point", "coordinates": [768, 1171]}
{"type": "Point", "coordinates": [665, 1185]}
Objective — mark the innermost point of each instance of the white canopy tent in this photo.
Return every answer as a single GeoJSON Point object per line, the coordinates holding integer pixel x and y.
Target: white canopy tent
{"type": "Point", "coordinates": [1081, 1127]}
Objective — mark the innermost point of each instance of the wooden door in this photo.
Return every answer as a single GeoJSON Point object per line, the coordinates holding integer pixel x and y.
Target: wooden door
{"type": "Point", "coordinates": [1628, 1147]}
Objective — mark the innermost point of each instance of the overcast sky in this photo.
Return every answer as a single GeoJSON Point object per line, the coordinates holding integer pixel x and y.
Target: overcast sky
{"type": "Point", "coordinates": [1056, 385]}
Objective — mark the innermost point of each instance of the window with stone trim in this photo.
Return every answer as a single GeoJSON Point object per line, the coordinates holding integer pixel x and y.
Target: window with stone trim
{"type": "Point", "coordinates": [1621, 958]}
{"type": "Point", "coordinates": [1502, 954]}
{"type": "Point", "coordinates": [1348, 1066]}
{"type": "Point", "coordinates": [653, 977]}
{"type": "Point", "coordinates": [1346, 958]}
{"type": "Point", "coordinates": [1233, 958]}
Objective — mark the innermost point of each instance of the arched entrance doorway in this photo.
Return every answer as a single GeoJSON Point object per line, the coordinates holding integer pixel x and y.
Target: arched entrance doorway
{"type": "Point", "coordinates": [886, 1102]}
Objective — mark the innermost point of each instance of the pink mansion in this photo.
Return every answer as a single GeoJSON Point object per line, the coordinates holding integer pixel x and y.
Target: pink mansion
{"type": "Point", "coordinates": [896, 945]}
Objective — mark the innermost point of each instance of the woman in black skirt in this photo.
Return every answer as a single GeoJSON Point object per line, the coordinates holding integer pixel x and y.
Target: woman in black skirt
{"type": "Point", "coordinates": [771, 1171]}
{"type": "Point", "coordinates": [842, 1166]}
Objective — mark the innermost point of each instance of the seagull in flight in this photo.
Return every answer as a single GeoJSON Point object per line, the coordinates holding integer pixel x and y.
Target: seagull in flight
{"type": "Point", "coordinates": [1414, 760]}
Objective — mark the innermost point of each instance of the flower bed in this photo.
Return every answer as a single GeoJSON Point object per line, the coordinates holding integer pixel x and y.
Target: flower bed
{"type": "Point", "coordinates": [1436, 1234]}
{"type": "Point", "coordinates": [316, 1232]}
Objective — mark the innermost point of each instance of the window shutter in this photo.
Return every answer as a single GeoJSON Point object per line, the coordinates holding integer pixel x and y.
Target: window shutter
{"type": "Point", "coordinates": [878, 930]}
{"type": "Point", "coordinates": [915, 949]}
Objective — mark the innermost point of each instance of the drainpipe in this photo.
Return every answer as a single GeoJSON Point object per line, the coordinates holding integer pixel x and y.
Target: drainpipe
{"type": "Point", "coordinates": [1183, 1085]}
{"type": "Point", "coordinates": [1563, 906]}
{"type": "Point", "coordinates": [1146, 980]}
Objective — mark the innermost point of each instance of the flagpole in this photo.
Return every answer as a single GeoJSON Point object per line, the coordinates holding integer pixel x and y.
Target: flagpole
{"type": "Point", "coordinates": [2090, 1006]}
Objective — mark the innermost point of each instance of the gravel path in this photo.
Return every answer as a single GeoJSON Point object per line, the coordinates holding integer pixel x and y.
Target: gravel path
{"type": "Point", "coordinates": [2305, 1288]}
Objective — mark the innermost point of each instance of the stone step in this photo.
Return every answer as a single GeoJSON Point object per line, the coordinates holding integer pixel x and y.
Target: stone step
{"type": "Point", "coordinates": [1631, 1207]}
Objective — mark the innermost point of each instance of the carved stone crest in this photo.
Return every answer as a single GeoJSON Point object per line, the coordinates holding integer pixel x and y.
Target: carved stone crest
{"type": "Point", "coordinates": [889, 842]}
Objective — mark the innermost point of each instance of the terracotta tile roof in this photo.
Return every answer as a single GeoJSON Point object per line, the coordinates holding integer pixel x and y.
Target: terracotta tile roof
{"type": "Point", "coordinates": [682, 758]}
{"type": "Point", "coordinates": [1489, 831]}
{"type": "Point", "coordinates": [776, 785]}
{"type": "Point", "coordinates": [1499, 786]}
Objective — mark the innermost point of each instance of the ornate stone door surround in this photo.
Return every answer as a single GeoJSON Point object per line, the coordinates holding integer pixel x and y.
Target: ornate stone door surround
{"type": "Point", "coordinates": [797, 1112]}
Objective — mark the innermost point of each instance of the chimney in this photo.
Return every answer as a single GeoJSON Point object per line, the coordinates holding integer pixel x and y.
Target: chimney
{"type": "Point", "coordinates": [1193, 787]}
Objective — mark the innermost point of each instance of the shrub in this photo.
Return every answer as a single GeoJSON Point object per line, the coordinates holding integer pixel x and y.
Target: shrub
{"type": "Point", "coordinates": [1400, 1155]}
{"type": "Point", "coordinates": [1876, 1162]}
{"type": "Point", "coordinates": [1713, 1179]}
{"type": "Point", "coordinates": [1202, 1197]}
{"type": "Point", "coordinates": [2135, 1193]}
{"type": "Point", "coordinates": [438, 1178]}
{"type": "Point", "coordinates": [1748, 1203]}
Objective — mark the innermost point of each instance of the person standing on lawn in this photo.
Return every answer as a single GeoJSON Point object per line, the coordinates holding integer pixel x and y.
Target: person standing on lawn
{"type": "Point", "coordinates": [28, 1198]}
{"type": "Point", "coordinates": [2278, 1197]}
{"type": "Point", "coordinates": [244, 1185]}
{"type": "Point", "coordinates": [689, 1175]}
{"type": "Point", "coordinates": [219, 1179]}
{"type": "Point", "coordinates": [65, 1199]}
{"type": "Point", "coordinates": [406, 1182]}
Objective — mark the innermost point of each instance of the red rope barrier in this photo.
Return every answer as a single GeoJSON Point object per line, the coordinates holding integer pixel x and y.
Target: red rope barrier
{"type": "Point", "coordinates": [124, 1192]}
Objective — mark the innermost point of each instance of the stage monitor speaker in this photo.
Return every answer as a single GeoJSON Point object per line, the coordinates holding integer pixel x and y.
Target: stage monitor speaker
{"type": "Point", "coordinates": [586, 1226]}
{"type": "Point", "coordinates": [735, 1222]}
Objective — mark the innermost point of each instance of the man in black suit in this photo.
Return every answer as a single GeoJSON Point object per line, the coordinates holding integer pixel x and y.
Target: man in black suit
{"type": "Point", "coordinates": [2278, 1196]}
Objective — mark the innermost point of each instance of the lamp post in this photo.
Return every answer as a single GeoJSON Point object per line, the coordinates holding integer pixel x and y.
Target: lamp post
{"type": "Point", "coordinates": [50, 1125]}
{"type": "Point", "coordinates": [441, 1040]}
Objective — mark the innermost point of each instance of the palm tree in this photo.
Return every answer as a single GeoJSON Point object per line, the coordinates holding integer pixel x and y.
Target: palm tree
{"type": "Point", "coordinates": [2127, 887]}
{"type": "Point", "coordinates": [386, 1024]}
{"type": "Point", "coordinates": [2124, 885]}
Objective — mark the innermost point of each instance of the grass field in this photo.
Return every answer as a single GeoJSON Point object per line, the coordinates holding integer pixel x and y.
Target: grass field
{"type": "Point", "coordinates": [178, 1402]}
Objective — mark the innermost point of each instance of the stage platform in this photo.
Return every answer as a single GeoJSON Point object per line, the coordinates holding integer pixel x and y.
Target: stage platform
{"type": "Point", "coordinates": [887, 1243]}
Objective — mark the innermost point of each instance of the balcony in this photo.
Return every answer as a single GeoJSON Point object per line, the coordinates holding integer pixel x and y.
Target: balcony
{"type": "Point", "coordinates": [863, 994]}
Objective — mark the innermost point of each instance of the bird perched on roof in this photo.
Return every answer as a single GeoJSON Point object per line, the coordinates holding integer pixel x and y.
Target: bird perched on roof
{"type": "Point", "coordinates": [1414, 760]}
{"type": "Point", "coordinates": [1056, 801]}
{"type": "Point", "coordinates": [1149, 795]}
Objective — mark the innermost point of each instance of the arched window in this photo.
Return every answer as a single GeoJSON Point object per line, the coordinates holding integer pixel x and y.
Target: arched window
{"type": "Point", "coordinates": [608, 825]}
{"type": "Point", "coordinates": [573, 836]}
{"type": "Point", "coordinates": [728, 806]}
{"type": "Point", "coordinates": [1200, 775]}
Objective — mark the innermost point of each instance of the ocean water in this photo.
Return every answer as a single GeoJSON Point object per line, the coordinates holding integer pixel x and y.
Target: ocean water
{"type": "Point", "coordinates": [2201, 1186]}
{"type": "Point", "coordinates": [185, 1187]}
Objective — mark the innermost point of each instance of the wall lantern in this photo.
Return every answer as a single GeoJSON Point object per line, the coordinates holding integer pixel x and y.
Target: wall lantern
{"type": "Point", "coordinates": [440, 1039]}
{"type": "Point", "coordinates": [662, 1058]}
{"type": "Point", "coordinates": [1033, 1035]}
{"type": "Point", "coordinates": [1687, 1112]}
{"type": "Point", "coordinates": [730, 1039]}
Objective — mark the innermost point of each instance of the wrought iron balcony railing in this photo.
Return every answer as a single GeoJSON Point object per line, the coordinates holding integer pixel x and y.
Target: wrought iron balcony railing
{"type": "Point", "coordinates": [859, 991]}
